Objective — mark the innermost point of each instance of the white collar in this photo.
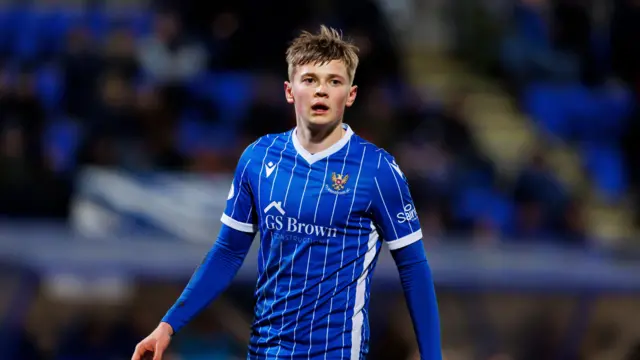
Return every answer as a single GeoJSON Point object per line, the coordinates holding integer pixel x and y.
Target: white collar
{"type": "Point", "coordinates": [311, 158]}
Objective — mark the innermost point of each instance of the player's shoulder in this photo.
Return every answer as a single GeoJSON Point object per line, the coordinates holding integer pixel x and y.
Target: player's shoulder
{"type": "Point", "coordinates": [374, 154]}
{"type": "Point", "coordinates": [259, 148]}
{"type": "Point", "coordinates": [380, 163]}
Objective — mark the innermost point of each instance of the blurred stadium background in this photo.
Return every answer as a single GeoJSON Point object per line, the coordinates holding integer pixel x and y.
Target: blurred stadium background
{"type": "Point", "coordinates": [516, 122]}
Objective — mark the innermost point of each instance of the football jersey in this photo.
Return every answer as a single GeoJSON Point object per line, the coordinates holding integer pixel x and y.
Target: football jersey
{"type": "Point", "coordinates": [321, 219]}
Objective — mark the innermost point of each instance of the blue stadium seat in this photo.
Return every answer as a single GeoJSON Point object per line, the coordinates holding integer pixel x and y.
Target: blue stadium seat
{"type": "Point", "coordinates": [578, 112]}
{"type": "Point", "coordinates": [542, 102]}
{"type": "Point", "coordinates": [501, 212]}
{"type": "Point", "coordinates": [479, 175]}
{"type": "Point", "coordinates": [138, 20]}
{"type": "Point", "coordinates": [230, 92]}
{"type": "Point", "coordinates": [98, 23]}
{"type": "Point", "coordinates": [483, 203]}
{"type": "Point", "coordinates": [53, 28]}
{"type": "Point", "coordinates": [102, 21]}
{"type": "Point", "coordinates": [599, 115]}
{"type": "Point", "coordinates": [23, 29]}
{"type": "Point", "coordinates": [605, 165]}
{"type": "Point", "coordinates": [50, 87]}
{"type": "Point", "coordinates": [191, 135]}
{"type": "Point", "coordinates": [29, 33]}
{"type": "Point", "coordinates": [616, 109]}
{"type": "Point", "coordinates": [61, 140]}
{"type": "Point", "coordinates": [5, 35]}
{"type": "Point", "coordinates": [195, 135]}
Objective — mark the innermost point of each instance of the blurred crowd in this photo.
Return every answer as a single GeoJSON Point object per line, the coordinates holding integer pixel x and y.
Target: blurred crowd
{"type": "Point", "coordinates": [574, 67]}
{"type": "Point", "coordinates": [152, 87]}
{"type": "Point", "coordinates": [185, 88]}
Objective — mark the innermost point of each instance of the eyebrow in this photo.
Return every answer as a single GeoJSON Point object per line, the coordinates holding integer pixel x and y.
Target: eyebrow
{"type": "Point", "coordinates": [330, 75]}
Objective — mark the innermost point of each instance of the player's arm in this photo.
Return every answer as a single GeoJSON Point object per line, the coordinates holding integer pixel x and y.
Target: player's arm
{"type": "Point", "coordinates": [396, 218]}
{"type": "Point", "coordinates": [212, 277]}
{"type": "Point", "coordinates": [219, 266]}
{"type": "Point", "coordinates": [419, 292]}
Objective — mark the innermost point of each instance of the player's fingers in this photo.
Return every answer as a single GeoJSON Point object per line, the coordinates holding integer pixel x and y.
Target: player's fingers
{"type": "Point", "coordinates": [141, 348]}
{"type": "Point", "coordinates": [157, 355]}
{"type": "Point", "coordinates": [137, 353]}
{"type": "Point", "coordinates": [159, 350]}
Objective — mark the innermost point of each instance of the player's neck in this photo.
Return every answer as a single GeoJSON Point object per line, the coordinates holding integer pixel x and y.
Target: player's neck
{"type": "Point", "coordinates": [316, 140]}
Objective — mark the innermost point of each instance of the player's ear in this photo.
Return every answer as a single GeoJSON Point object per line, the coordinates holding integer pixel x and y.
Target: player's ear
{"type": "Point", "coordinates": [288, 92]}
{"type": "Point", "coordinates": [353, 92]}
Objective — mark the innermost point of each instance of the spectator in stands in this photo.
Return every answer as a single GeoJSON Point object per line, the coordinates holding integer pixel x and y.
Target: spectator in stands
{"type": "Point", "coordinates": [27, 186]}
{"type": "Point", "coordinates": [159, 128]}
{"type": "Point", "coordinates": [541, 201]}
{"type": "Point", "coordinates": [81, 67]}
{"type": "Point", "coordinates": [631, 148]}
{"type": "Point", "coordinates": [528, 53]}
{"type": "Point", "coordinates": [377, 117]}
{"type": "Point", "coordinates": [573, 33]}
{"type": "Point", "coordinates": [529, 223]}
{"type": "Point", "coordinates": [168, 56]}
{"type": "Point", "coordinates": [267, 113]}
{"type": "Point", "coordinates": [112, 130]}
{"type": "Point", "coordinates": [430, 170]}
{"type": "Point", "coordinates": [573, 226]}
{"type": "Point", "coordinates": [23, 116]}
{"type": "Point", "coordinates": [225, 35]}
{"type": "Point", "coordinates": [366, 21]}
{"type": "Point", "coordinates": [625, 41]}
{"type": "Point", "coordinates": [456, 133]}
{"type": "Point", "coordinates": [18, 344]}
{"type": "Point", "coordinates": [119, 54]}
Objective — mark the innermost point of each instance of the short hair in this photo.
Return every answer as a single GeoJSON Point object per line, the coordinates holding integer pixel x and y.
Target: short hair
{"type": "Point", "coordinates": [320, 48]}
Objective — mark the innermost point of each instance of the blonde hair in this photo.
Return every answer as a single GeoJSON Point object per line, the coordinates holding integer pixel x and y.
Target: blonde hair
{"type": "Point", "coordinates": [320, 48]}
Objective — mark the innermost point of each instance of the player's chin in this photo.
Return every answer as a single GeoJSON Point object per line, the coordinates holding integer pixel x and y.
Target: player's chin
{"type": "Point", "coordinates": [321, 119]}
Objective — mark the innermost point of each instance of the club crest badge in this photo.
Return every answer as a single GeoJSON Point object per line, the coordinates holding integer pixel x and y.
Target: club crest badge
{"type": "Point", "coordinates": [338, 184]}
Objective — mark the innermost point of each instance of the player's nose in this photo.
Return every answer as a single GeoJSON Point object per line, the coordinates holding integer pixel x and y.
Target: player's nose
{"type": "Point", "coordinates": [321, 91]}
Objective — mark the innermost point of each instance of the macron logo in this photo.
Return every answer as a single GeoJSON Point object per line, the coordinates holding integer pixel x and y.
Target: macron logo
{"type": "Point", "coordinates": [275, 204]}
{"type": "Point", "coordinates": [270, 167]}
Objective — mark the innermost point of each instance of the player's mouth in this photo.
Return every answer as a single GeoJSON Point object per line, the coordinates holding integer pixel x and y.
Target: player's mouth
{"type": "Point", "coordinates": [319, 108]}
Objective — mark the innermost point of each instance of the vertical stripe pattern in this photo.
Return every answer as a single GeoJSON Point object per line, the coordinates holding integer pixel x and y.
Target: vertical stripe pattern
{"type": "Point", "coordinates": [321, 218]}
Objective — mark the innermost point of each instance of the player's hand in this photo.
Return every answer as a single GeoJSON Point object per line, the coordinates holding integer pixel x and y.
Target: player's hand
{"type": "Point", "coordinates": [156, 343]}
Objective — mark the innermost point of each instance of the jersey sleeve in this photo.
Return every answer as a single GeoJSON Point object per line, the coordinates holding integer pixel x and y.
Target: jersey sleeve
{"type": "Point", "coordinates": [394, 213]}
{"type": "Point", "coordinates": [239, 213]}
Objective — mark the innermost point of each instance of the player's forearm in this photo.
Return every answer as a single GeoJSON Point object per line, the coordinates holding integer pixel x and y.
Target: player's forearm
{"type": "Point", "coordinates": [212, 277]}
{"type": "Point", "coordinates": [419, 291]}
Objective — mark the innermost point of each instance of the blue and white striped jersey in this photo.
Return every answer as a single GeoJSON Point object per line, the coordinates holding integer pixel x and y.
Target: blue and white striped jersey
{"type": "Point", "coordinates": [321, 217]}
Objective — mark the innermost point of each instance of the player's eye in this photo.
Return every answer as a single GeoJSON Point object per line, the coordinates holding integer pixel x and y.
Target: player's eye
{"type": "Point", "coordinates": [307, 80]}
{"type": "Point", "coordinates": [336, 82]}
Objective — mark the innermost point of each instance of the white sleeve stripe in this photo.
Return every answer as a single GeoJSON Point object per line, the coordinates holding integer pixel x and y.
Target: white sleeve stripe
{"type": "Point", "coordinates": [405, 240]}
{"type": "Point", "coordinates": [237, 225]}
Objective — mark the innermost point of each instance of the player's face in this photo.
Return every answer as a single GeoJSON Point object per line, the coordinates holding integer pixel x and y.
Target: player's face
{"type": "Point", "coordinates": [320, 93]}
